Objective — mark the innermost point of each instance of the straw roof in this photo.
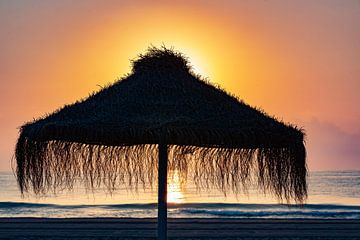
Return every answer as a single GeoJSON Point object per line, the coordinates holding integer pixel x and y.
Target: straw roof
{"type": "Point", "coordinates": [111, 137]}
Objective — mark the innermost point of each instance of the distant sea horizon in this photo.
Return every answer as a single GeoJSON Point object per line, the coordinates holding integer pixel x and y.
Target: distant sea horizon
{"type": "Point", "coordinates": [332, 195]}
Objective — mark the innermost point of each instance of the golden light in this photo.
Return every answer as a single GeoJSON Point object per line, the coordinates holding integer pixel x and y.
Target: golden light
{"type": "Point", "coordinates": [175, 193]}
{"type": "Point", "coordinates": [132, 33]}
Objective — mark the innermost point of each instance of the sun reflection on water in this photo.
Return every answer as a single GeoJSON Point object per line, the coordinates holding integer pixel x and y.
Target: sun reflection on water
{"type": "Point", "coordinates": [175, 188]}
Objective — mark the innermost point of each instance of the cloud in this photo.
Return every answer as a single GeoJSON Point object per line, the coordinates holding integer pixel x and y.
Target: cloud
{"type": "Point", "coordinates": [331, 148]}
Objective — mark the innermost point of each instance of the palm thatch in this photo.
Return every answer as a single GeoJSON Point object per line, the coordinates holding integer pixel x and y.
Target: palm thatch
{"type": "Point", "coordinates": [111, 137]}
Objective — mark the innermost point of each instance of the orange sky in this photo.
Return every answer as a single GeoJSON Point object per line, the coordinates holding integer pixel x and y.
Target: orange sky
{"type": "Point", "coordinates": [297, 60]}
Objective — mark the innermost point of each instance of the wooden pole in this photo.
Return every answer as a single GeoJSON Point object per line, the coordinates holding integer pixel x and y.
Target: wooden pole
{"type": "Point", "coordinates": [162, 192]}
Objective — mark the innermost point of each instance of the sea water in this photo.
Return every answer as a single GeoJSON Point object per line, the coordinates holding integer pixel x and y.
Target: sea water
{"type": "Point", "coordinates": [332, 195]}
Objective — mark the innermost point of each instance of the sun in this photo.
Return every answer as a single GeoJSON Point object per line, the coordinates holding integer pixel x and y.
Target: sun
{"type": "Point", "coordinates": [174, 189]}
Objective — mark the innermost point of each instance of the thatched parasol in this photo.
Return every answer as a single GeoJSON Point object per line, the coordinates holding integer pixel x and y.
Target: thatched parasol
{"type": "Point", "coordinates": [161, 111]}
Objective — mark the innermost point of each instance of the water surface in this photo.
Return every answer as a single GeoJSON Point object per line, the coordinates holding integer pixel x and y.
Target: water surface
{"type": "Point", "coordinates": [333, 194]}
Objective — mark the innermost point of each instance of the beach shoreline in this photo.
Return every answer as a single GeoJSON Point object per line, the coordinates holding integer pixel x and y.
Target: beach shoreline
{"type": "Point", "coordinates": [178, 228]}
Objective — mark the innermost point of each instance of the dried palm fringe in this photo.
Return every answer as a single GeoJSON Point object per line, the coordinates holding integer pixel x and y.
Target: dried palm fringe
{"type": "Point", "coordinates": [56, 165]}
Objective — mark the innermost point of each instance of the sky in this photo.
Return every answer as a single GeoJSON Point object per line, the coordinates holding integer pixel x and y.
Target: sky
{"type": "Point", "coordinates": [297, 60]}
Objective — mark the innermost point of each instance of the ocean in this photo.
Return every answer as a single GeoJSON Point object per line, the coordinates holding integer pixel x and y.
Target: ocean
{"type": "Point", "coordinates": [332, 195]}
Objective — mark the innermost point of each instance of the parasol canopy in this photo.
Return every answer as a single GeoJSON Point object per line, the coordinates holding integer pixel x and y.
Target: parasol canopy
{"type": "Point", "coordinates": [111, 137]}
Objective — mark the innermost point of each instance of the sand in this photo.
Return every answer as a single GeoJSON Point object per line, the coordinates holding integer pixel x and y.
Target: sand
{"type": "Point", "coordinates": [112, 228]}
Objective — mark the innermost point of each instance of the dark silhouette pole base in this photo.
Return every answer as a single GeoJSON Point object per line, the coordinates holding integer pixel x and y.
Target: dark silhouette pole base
{"type": "Point", "coordinates": [162, 192]}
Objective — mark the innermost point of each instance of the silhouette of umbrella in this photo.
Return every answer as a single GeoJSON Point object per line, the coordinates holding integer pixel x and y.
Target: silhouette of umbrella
{"type": "Point", "coordinates": [162, 116]}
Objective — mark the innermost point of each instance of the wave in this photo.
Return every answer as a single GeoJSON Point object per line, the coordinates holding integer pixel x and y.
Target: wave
{"type": "Point", "coordinates": [193, 210]}
{"type": "Point", "coordinates": [209, 209]}
{"type": "Point", "coordinates": [276, 214]}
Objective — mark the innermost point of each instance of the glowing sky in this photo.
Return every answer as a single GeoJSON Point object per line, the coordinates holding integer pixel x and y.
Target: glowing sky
{"type": "Point", "coordinates": [298, 60]}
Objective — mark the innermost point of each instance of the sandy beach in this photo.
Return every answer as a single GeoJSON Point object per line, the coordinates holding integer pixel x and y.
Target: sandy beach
{"type": "Point", "coordinates": [136, 228]}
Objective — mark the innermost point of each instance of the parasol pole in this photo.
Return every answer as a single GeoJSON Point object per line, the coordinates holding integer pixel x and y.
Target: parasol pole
{"type": "Point", "coordinates": [162, 191]}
